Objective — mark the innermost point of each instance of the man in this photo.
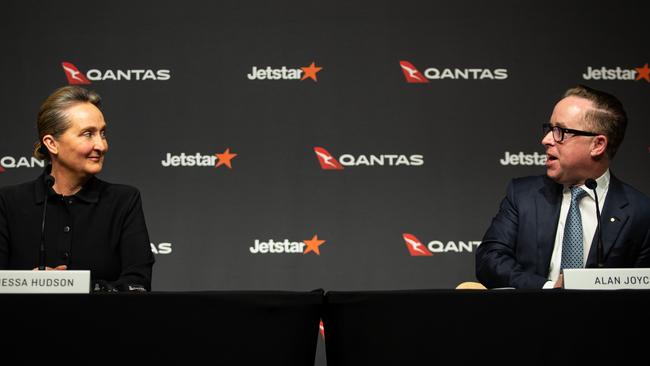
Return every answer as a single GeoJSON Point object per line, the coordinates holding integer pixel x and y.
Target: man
{"type": "Point", "coordinates": [548, 223]}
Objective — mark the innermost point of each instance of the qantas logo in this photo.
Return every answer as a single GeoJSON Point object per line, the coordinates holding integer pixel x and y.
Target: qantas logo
{"type": "Point", "coordinates": [415, 246]}
{"type": "Point", "coordinates": [417, 249]}
{"type": "Point", "coordinates": [76, 77]}
{"type": "Point", "coordinates": [321, 328]}
{"type": "Point", "coordinates": [161, 248]}
{"type": "Point", "coordinates": [199, 160]}
{"type": "Point", "coordinates": [285, 73]}
{"type": "Point", "coordinates": [286, 246]}
{"type": "Point", "coordinates": [413, 76]}
{"type": "Point", "coordinates": [327, 161]}
{"type": "Point", "coordinates": [10, 162]}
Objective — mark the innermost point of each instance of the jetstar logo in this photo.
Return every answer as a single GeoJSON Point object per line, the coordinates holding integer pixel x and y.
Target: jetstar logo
{"type": "Point", "coordinates": [76, 77]}
{"type": "Point", "coordinates": [414, 76]}
{"type": "Point", "coordinates": [417, 249]}
{"type": "Point", "coordinates": [10, 162]}
{"type": "Point", "coordinates": [287, 247]}
{"type": "Point", "coordinates": [285, 73]}
{"type": "Point", "coordinates": [199, 160]}
{"type": "Point", "coordinates": [522, 158]}
{"type": "Point", "coordinates": [617, 73]}
{"type": "Point", "coordinates": [328, 162]}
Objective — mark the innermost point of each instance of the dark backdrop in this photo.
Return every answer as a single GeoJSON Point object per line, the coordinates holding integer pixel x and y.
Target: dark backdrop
{"type": "Point", "coordinates": [202, 220]}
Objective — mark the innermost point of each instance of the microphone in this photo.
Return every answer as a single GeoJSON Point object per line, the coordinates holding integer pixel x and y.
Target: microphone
{"type": "Point", "coordinates": [49, 182]}
{"type": "Point", "coordinates": [591, 184]}
{"type": "Point", "coordinates": [106, 286]}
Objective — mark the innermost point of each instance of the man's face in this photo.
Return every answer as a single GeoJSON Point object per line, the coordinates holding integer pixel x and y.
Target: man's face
{"type": "Point", "coordinates": [569, 161]}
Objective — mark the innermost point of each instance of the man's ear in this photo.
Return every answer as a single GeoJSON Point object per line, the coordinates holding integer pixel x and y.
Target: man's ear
{"type": "Point", "coordinates": [50, 144]}
{"type": "Point", "coordinates": [599, 146]}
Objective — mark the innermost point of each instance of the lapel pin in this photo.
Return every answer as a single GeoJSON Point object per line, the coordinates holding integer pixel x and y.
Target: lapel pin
{"type": "Point", "coordinates": [612, 219]}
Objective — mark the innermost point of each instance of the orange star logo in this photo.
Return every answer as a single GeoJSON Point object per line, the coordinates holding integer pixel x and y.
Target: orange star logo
{"type": "Point", "coordinates": [312, 245]}
{"type": "Point", "coordinates": [225, 158]}
{"type": "Point", "coordinates": [643, 73]}
{"type": "Point", "coordinates": [310, 72]}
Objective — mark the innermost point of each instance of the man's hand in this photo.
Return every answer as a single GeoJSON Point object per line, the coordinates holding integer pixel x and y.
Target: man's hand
{"type": "Point", "coordinates": [560, 282]}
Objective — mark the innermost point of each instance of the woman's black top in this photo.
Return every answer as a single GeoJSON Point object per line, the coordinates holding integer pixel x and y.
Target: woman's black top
{"type": "Point", "coordinates": [101, 229]}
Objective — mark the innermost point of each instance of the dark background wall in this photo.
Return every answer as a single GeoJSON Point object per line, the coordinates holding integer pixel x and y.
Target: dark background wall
{"type": "Point", "coordinates": [360, 105]}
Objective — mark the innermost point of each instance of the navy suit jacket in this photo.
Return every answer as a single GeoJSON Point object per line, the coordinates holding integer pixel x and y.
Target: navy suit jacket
{"type": "Point", "coordinates": [516, 250]}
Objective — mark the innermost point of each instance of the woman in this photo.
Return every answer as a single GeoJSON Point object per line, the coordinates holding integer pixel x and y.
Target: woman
{"type": "Point", "coordinates": [90, 224]}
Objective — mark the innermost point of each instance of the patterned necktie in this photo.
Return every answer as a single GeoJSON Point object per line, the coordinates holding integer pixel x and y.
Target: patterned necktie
{"type": "Point", "coordinates": [572, 245]}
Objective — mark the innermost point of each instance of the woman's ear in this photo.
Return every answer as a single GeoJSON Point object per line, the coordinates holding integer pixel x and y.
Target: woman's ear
{"type": "Point", "coordinates": [50, 144]}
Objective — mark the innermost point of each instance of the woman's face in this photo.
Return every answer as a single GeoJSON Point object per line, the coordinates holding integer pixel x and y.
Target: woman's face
{"type": "Point", "coordinates": [81, 148]}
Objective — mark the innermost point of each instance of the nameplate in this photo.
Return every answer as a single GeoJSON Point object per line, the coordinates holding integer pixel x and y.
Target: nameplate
{"type": "Point", "coordinates": [607, 278]}
{"type": "Point", "coordinates": [44, 282]}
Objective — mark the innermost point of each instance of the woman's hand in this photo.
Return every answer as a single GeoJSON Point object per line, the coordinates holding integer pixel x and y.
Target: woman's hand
{"type": "Point", "coordinates": [62, 267]}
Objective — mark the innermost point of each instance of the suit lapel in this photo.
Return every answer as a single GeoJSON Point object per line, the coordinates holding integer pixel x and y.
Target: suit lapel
{"type": "Point", "coordinates": [548, 204]}
{"type": "Point", "coordinates": [612, 219]}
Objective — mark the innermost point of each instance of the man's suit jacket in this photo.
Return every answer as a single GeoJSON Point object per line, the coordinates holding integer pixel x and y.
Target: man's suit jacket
{"type": "Point", "coordinates": [516, 250]}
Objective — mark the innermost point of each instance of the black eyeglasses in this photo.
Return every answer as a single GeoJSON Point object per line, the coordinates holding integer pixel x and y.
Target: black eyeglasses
{"type": "Point", "coordinates": [558, 132]}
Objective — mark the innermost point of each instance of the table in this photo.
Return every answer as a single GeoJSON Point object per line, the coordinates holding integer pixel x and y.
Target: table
{"type": "Point", "coordinates": [185, 328]}
{"type": "Point", "coordinates": [497, 327]}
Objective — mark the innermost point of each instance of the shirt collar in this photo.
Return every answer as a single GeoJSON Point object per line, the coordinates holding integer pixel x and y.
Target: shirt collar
{"type": "Point", "coordinates": [601, 187]}
{"type": "Point", "coordinates": [88, 193]}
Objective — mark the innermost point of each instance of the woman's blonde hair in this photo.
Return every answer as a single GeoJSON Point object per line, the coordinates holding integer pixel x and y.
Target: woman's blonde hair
{"type": "Point", "coordinates": [52, 117]}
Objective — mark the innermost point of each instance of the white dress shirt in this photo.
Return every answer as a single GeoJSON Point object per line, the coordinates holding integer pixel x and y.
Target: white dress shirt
{"type": "Point", "coordinates": [587, 206]}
